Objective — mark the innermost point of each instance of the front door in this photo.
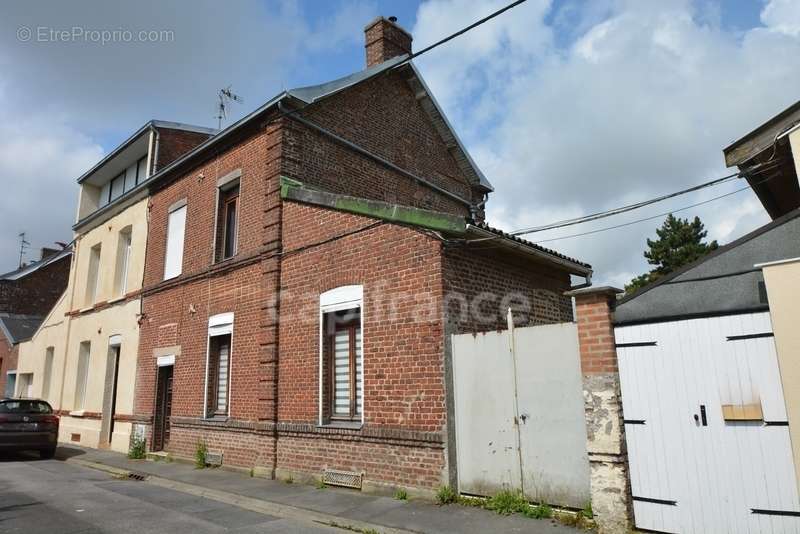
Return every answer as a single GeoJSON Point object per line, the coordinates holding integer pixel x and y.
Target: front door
{"type": "Point", "coordinates": [163, 408]}
{"type": "Point", "coordinates": [706, 427]}
{"type": "Point", "coordinates": [110, 395]}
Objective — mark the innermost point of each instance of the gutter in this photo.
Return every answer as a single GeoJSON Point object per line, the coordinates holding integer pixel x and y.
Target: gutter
{"type": "Point", "coordinates": [573, 268]}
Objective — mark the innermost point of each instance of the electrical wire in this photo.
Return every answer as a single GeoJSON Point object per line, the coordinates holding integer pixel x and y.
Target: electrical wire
{"type": "Point", "coordinates": [460, 32]}
{"type": "Point", "coordinates": [630, 223]}
{"type": "Point", "coordinates": [630, 207]}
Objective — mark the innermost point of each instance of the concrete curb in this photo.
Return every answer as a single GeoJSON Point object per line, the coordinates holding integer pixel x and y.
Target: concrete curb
{"type": "Point", "coordinates": [283, 511]}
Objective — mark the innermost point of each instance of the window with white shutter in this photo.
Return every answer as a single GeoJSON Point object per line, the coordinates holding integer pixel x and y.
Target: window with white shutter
{"type": "Point", "coordinates": [218, 365]}
{"type": "Point", "coordinates": [176, 227]}
{"type": "Point", "coordinates": [341, 374]}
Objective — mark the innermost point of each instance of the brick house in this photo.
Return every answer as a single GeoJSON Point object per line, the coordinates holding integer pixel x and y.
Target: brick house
{"type": "Point", "coordinates": [26, 295]}
{"type": "Point", "coordinates": [305, 268]}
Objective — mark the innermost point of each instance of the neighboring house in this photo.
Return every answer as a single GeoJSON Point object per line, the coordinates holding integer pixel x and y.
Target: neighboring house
{"type": "Point", "coordinates": [305, 269]}
{"type": "Point", "coordinates": [82, 358]}
{"type": "Point", "coordinates": [26, 295]}
{"type": "Point", "coordinates": [708, 366]}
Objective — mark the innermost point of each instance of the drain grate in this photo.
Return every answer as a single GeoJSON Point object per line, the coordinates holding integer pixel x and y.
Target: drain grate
{"type": "Point", "coordinates": [141, 477]}
{"type": "Point", "coordinates": [347, 479]}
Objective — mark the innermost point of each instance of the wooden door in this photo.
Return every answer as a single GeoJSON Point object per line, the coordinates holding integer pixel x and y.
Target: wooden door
{"type": "Point", "coordinates": [706, 427]}
{"type": "Point", "coordinates": [163, 408]}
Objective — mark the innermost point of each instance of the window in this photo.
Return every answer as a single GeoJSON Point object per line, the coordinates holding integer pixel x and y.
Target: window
{"type": "Point", "coordinates": [48, 372]}
{"type": "Point", "coordinates": [11, 383]}
{"type": "Point", "coordinates": [176, 227]}
{"type": "Point", "coordinates": [227, 220]}
{"type": "Point", "coordinates": [117, 187]}
{"type": "Point", "coordinates": [141, 170]}
{"type": "Point", "coordinates": [123, 261]}
{"type": "Point", "coordinates": [92, 279]}
{"type": "Point", "coordinates": [341, 358]}
{"type": "Point", "coordinates": [82, 376]}
{"type": "Point", "coordinates": [25, 385]}
{"type": "Point", "coordinates": [218, 365]}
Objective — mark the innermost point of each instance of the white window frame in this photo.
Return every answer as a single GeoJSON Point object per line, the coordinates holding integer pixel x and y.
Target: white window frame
{"type": "Point", "coordinates": [93, 276]}
{"type": "Point", "coordinates": [82, 382]}
{"type": "Point", "coordinates": [9, 374]}
{"type": "Point", "coordinates": [47, 371]}
{"type": "Point", "coordinates": [177, 268]}
{"type": "Point", "coordinates": [336, 299]}
{"type": "Point", "coordinates": [219, 325]}
{"type": "Point", "coordinates": [123, 260]}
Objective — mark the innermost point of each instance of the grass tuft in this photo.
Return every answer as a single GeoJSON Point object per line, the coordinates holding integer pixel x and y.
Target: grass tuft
{"type": "Point", "coordinates": [401, 494]}
{"type": "Point", "coordinates": [200, 455]}
{"type": "Point", "coordinates": [446, 495]}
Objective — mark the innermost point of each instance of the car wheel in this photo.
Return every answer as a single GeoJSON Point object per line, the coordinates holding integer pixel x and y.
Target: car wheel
{"type": "Point", "coordinates": [46, 454]}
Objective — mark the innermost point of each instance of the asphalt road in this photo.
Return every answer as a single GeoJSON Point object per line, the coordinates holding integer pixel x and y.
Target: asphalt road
{"type": "Point", "coordinates": [50, 496]}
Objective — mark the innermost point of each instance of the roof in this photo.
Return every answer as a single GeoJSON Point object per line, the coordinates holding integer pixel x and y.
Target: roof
{"type": "Point", "coordinates": [35, 266]}
{"type": "Point", "coordinates": [580, 268]}
{"type": "Point", "coordinates": [19, 328]}
{"type": "Point", "coordinates": [147, 126]}
{"type": "Point", "coordinates": [761, 137]}
{"type": "Point", "coordinates": [723, 281]}
{"type": "Point", "coordinates": [313, 94]}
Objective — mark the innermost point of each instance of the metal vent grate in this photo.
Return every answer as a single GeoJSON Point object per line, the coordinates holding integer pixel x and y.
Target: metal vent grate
{"type": "Point", "coordinates": [137, 476]}
{"type": "Point", "coordinates": [345, 479]}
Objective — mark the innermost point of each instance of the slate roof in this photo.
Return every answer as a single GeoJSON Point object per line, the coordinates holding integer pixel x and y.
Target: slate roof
{"type": "Point", "coordinates": [314, 93]}
{"type": "Point", "coordinates": [30, 268]}
{"type": "Point", "coordinates": [19, 328]}
{"type": "Point", "coordinates": [723, 281]}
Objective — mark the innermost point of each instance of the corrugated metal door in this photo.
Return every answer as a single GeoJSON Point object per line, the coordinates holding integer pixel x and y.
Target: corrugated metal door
{"type": "Point", "coordinates": [706, 429]}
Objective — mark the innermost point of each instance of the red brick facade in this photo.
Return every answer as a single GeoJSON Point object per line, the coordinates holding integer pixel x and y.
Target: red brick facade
{"type": "Point", "coordinates": [288, 254]}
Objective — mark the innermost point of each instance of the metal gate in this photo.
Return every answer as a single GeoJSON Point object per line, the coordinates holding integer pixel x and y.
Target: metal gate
{"type": "Point", "coordinates": [706, 427]}
{"type": "Point", "coordinates": [519, 414]}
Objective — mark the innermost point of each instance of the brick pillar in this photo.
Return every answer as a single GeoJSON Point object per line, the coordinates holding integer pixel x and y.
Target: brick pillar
{"type": "Point", "coordinates": [608, 458]}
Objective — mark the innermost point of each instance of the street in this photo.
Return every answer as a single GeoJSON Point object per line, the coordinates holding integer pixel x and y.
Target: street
{"type": "Point", "coordinates": [51, 496]}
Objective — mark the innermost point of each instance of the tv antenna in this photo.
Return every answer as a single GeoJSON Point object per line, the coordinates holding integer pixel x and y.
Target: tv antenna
{"type": "Point", "coordinates": [226, 96]}
{"type": "Point", "coordinates": [23, 245]}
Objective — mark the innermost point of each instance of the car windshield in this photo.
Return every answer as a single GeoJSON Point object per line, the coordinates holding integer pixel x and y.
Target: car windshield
{"type": "Point", "coordinates": [25, 406]}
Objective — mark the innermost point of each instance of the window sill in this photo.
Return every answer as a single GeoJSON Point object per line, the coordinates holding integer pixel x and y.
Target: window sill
{"type": "Point", "coordinates": [77, 413]}
{"type": "Point", "coordinates": [348, 425]}
{"type": "Point", "coordinates": [216, 418]}
{"type": "Point", "coordinates": [86, 309]}
{"type": "Point", "coordinates": [117, 299]}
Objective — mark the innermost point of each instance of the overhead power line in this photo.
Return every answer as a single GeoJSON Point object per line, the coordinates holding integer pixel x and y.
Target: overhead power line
{"type": "Point", "coordinates": [630, 207]}
{"type": "Point", "coordinates": [630, 223]}
{"type": "Point", "coordinates": [462, 31]}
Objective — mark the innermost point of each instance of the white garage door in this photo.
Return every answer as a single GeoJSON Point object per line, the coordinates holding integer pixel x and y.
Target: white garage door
{"type": "Point", "coordinates": [706, 427]}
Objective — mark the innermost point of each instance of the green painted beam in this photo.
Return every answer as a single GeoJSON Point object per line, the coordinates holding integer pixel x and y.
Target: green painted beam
{"type": "Point", "coordinates": [433, 220]}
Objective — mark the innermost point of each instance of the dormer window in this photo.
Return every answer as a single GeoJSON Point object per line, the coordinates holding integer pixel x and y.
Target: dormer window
{"type": "Point", "coordinates": [133, 175]}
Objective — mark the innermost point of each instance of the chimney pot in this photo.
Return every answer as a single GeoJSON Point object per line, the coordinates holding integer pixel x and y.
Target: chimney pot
{"type": "Point", "coordinates": [385, 39]}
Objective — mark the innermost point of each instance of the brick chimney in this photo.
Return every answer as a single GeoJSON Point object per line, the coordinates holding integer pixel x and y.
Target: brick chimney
{"type": "Point", "coordinates": [385, 40]}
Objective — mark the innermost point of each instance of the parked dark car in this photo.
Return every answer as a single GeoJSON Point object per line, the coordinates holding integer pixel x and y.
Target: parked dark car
{"type": "Point", "coordinates": [28, 424]}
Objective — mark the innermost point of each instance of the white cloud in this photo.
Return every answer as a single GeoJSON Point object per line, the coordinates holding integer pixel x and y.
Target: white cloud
{"type": "Point", "coordinates": [639, 102]}
{"type": "Point", "coordinates": [58, 99]}
{"type": "Point", "coordinates": [40, 158]}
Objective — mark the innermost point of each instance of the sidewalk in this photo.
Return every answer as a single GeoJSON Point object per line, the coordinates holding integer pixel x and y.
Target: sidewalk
{"type": "Point", "coordinates": [329, 506]}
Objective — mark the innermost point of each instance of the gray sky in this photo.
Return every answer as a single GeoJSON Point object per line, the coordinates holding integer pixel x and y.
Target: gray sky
{"type": "Point", "coordinates": [569, 107]}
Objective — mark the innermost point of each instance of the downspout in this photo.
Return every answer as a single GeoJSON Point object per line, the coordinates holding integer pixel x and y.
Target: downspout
{"type": "Point", "coordinates": [364, 152]}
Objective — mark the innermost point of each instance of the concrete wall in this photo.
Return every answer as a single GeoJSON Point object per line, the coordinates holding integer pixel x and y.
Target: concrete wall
{"type": "Point", "coordinates": [783, 290]}
{"type": "Point", "coordinates": [52, 333]}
